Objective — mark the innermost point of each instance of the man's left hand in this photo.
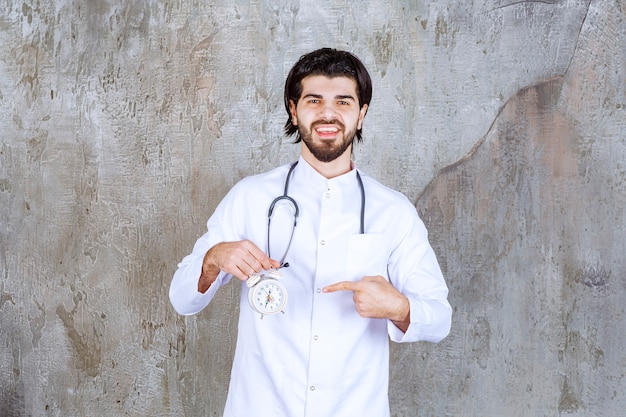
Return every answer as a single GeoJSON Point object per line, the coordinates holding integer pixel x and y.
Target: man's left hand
{"type": "Point", "coordinates": [375, 297]}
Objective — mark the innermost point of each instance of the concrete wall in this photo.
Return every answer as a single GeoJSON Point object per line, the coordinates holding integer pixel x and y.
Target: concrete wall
{"type": "Point", "coordinates": [123, 123]}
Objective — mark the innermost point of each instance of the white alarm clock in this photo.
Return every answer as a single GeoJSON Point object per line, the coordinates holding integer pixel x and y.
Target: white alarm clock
{"type": "Point", "coordinates": [266, 294]}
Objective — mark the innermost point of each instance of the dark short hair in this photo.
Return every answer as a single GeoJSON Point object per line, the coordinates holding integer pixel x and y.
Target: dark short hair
{"type": "Point", "coordinates": [331, 63]}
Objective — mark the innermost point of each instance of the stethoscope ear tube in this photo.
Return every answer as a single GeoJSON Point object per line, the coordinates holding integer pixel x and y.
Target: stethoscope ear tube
{"type": "Point", "coordinates": [270, 212]}
{"type": "Point", "coordinates": [293, 228]}
{"type": "Point", "coordinates": [358, 177]}
{"type": "Point", "coordinates": [276, 200]}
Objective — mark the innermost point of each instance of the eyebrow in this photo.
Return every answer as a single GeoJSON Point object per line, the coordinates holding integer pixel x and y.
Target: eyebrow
{"type": "Point", "coordinates": [337, 97]}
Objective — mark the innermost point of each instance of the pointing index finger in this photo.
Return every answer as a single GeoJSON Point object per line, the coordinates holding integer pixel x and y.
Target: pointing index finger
{"type": "Point", "coordinates": [340, 286]}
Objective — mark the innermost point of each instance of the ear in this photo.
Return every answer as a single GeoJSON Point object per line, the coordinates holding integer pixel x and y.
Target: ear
{"type": "Point", "coordinates": [362, 113]}
{"type": "Point", "coordinates": [292, 110]}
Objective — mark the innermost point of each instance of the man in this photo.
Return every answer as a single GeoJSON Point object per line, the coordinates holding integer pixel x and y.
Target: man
{"type": "Point", "coordinates": [357, 270]}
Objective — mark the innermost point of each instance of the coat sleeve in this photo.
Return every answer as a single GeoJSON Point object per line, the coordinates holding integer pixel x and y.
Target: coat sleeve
{"type": "Point", "coordinates": [224, 225]}
{"type": "Point", "coordinates": [414, 271]}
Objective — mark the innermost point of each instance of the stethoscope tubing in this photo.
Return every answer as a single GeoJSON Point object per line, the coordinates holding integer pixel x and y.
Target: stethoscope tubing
{"type": "Point", "coordinates": [286, 197]}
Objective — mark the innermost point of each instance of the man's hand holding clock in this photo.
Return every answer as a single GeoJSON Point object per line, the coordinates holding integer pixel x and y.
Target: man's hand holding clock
{"type": "Point", "coordinates": [241, 259]}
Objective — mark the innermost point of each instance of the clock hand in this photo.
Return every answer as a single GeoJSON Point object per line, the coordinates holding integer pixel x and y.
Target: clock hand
{"type": "Point", "coordinates": [269, 297]}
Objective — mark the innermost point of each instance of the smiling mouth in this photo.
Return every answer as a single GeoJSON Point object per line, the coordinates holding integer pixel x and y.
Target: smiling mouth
{"type": "Point", "coordinates": [327, 130]}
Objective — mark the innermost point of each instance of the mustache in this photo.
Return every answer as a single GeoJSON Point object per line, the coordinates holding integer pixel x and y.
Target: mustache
{"type": "Point", "coordinates": [328, 122]}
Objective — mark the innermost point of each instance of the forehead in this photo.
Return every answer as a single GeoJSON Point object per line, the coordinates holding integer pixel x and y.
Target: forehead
{"type": "Point", "coordinates": [323, 85]}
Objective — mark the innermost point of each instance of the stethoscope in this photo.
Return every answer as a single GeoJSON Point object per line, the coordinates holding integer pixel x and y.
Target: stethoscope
{"type": "Point", "coordinates": [296, 213]}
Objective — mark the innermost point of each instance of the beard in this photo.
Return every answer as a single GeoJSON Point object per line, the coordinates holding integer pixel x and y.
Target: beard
{"type": "Point", "coordinates": [327, 150]}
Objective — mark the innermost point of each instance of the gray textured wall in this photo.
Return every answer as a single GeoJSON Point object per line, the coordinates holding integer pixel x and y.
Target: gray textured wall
{"type": "Point", "coordinates": [123, 123]}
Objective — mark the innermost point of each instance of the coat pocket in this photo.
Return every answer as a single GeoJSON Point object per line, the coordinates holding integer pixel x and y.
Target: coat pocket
{"type": "Point", "coordinates": [367, 256]}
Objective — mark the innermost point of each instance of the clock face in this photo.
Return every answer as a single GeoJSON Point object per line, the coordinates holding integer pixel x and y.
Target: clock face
{"type": "Point", "coordinates": [268, 297]}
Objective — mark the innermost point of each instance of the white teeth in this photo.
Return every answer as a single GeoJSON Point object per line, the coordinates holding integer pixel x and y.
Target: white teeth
{"type": "Point", "coordinates": [327, 129]}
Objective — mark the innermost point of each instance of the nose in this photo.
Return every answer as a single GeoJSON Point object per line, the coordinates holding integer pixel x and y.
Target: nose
{"type": "Point", "coordinates": [328, 110]}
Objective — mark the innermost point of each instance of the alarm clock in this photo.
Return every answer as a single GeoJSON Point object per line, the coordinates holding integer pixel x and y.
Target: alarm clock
{"type": "Point", "coordinates": [266, 294]}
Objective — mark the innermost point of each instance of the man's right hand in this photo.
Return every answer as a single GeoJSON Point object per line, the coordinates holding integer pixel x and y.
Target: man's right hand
{"type": "Point", "coordinates": [241, 259]}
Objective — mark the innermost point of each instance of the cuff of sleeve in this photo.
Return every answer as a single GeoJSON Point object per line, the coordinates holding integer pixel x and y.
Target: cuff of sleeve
{"type": "Point", "coordinates": [396, 334]}
{"type": "Point", "coordinates": [430, 321]}
{"type": "Point", "coordinates": [184, 295]}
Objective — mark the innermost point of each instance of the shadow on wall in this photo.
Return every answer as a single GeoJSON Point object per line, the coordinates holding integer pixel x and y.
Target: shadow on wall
{"type": "Point", "coordinates": [529, 237]}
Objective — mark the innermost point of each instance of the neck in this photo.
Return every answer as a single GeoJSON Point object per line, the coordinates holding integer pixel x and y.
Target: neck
{"type": "Point", "coordinates": [332, 169]}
